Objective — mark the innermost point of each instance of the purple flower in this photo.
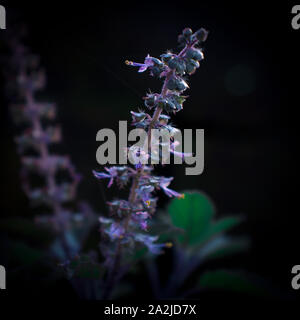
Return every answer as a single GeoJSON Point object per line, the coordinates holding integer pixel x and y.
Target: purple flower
{"type": "Point", "coordinates": [144, 225]}
{"type": "Point", "coordinates": [143, 215]}
{"type": "Point", "coordinates": [148, 241]}
{"type": "Point", "coordinates": [177, 153]}
{"type": "Point", "coordinates": [104, 220]}
{"type": "Point", "coordinates": [144, 193]}
{"type": "Point", "coordinates": [143, 66]}
{"type": "Point", "coordinates": [164, 183]}
{"type": "Point", "coordinates": [112, 173]}
{"type": "Point", "coordinates": [138, 166]}
{"type": "Point", "coordinates": [116, 231]}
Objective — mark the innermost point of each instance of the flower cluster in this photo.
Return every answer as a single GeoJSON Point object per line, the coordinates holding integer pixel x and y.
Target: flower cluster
{"type": "Point", "coordinates": [129, 218]}
{"type": "Point", "coordinates": [36, 133]}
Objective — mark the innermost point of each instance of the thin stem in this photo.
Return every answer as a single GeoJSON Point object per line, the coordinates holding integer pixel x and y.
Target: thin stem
{"type": "Point", "coordinates": [50, 174]}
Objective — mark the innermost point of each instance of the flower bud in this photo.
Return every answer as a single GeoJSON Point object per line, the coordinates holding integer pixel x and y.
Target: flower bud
{"type": "Point", "coordinates": [201, 35]}
{"type": "Point", "coordinates": [181, 39]}
{"type": "Point", "coordinates": [195, 54]}
{"type": "Point", "coordinates": [149, 101]}
{"type": "Point", "coordinates": [178, 65]}
{"type": "Point", "coordinates": [173, 63]}
{"type": "Point", "coordinates": [171, 85]}
{"type": "Point", "coordinates": [163, 119]}
{"type": "Point", "coordinates": [177, 84]}
{"type": "Point", "coordinates": [166, 57]}
{"type": "Point", "coordinates": [137, 116]}
{"type": "Point", "coordinates": [156, 71]}
{"type": "Point", "coordinates": [161, 102]}
{"type": "Point", "coordinates": [169, 106]}
{"type": "Point", "coordinates": [191, 66]}
{"type": "Point", "coordinates": [157, 62]}
{"type": "Point", "coordinates": [181, 85]}
{"type": "Point", "coordinates": [187, 32]}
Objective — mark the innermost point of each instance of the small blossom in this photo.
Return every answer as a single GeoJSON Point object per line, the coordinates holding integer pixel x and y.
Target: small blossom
{"type": "Point", "coordinates": [112, 173]}
{"type": "Point", "coordinates": [104, 220]}
{"type": "Point", "coordinates": [178, 153]}
{"type": "Point", "coordinates": [137, 116]}
{"type": "Point", "coordinates": [144, 193]}
{"type": "Point", "coordinates": [143, 66]}
{"type": "Point", "coordinates": [138, 166]}
{"type": "Point", "coordinates": [115, 231]}
{"type": "Point", "coordinates": [137, 155]}
{"type": "Point", "coordinates": [148, 241]}
{"type": "Point", "coordinates": [164, 183]}
{"type": "Point", "coordinates": [144, 225]}
{"type": "Point", "coordinates": [144, 214]}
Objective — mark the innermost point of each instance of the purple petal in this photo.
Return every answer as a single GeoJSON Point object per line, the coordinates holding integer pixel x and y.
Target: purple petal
{"type": "Point", "coordinates": [100, 175]}
{"type": "Point", "coordinates": [171, 193]}
{"type": "Point", "coordinates": [143, 68]}
{"type": "Point", "coordinates": [110, 182]}
{"type": "Point", "coordinates": [181, 154]}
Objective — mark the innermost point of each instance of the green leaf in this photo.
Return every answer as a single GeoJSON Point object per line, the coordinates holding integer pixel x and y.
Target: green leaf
{"type": "Point", "coordinates": [193, 214]}
{"type": "Point", "coordinates": [225, 224]}
{"type": "Point", "coordinates": [162, 226]}
{"type": "Point", "coordinates": [218, 227]}
{"type": "Point", "coordinates": [222, 246]}
{"type": "Point", "coordinates": [231, 280]}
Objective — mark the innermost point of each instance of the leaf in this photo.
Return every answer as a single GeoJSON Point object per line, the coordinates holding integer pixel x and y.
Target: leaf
{"type": "Point", "coordinates": [236, 281]}
{"type": "Point", "coordinates": [225, 224]}
{"type": "Point", "coordinates": [193, 214]}
{"type": "Point", "coordinates": [222, 246]}
{"type": "Point", "coordinates": [162, 226]}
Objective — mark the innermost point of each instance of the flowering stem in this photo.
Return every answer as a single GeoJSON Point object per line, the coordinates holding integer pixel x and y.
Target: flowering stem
{"type": "Point", "coordinates": [172, 68]}
{"type": "Point", "coordinates": [110, 283]}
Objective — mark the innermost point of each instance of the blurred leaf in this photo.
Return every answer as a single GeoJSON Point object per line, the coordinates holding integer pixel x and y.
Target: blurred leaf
{"type": "Point", "coordinates": [162, 226]}
{"type": "Point", "coordinates": [193, 214]}
{"type": "Point", "coordinates": [231, 280]}
{"type": "Point", "coordinates": [224, 225]}
{"type": "Point", "coordinates": [222, 246]}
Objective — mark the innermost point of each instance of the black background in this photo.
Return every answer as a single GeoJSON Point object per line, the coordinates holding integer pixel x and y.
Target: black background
{"type": "Point", "coordinates": [250, 137]}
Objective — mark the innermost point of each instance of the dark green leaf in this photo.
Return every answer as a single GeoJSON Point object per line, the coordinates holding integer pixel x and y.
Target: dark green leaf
{"type": "Point", "coordinates": [222, 246]}
{"type": "Point", "coordinates": [193, 214]}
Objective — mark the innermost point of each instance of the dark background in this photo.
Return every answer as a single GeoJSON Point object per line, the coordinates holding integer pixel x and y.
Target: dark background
{"type": "Point", "coordinates": [242, 95]}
